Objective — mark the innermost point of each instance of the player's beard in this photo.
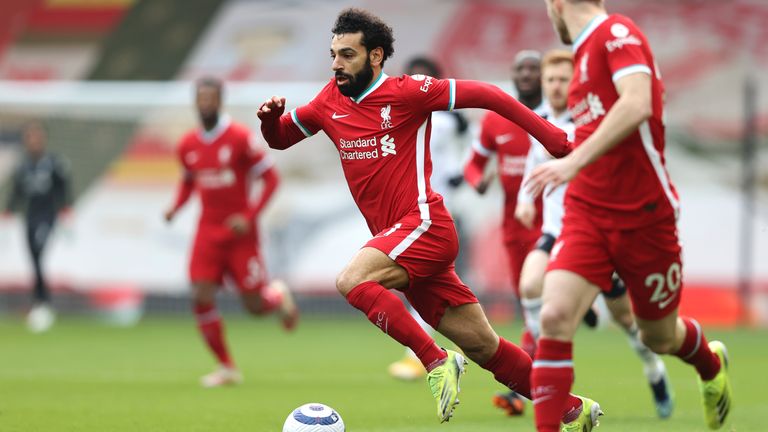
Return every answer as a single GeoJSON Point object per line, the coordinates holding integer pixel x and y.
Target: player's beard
{"type": "Point", "coordinates": [562, 30]}
{"type": "Point", "coordinates": [356, 83]}
{"type": "Point", "coordinates": [209, 120]}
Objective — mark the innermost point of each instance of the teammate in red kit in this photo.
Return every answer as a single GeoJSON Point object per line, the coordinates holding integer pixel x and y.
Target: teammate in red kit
{"type": "Point", "coordinates": [221, 162]}
{"type": "Point", "coordinates": [510, 143]}
{"type": "Point", "coordinates": [621, 213]}
{"type": "Point", "coordinates": [380, 126]}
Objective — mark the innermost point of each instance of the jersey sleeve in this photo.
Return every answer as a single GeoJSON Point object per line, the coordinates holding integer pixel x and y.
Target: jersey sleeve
{"type": "Point", "coordinates": [483, 147]}
{"type": "Point", "coordinates": [485, 144]}
{"type": "Point", "coordinates": [295, 125]}
{"type": "Point", "coordinates": [307, 118]}
{"type": "Point", "coordinates": [625, 51]}
{"type": "Point", "coordinates": [430, 94]}
{"type": "Point", "coordinates": [256, 158]}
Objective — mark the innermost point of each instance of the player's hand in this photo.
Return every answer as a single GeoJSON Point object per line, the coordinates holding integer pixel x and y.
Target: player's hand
{"type": "Point", "coordinates": [551, 173]}
{"type": "Point", "coordinates": [169, 215]}
{"type": "Point", "coordinates": [65, 215]}
{"type": "Point", "coordinates": [483, 186]}
{"type": "Point", "coordinates": [238, 224]}
{"type": "Point", "coordinates": [271, 108]}
{"type": "Point", "coordinates": [525, 213]}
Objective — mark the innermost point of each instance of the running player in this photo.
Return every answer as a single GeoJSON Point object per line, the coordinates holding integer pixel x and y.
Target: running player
{"type": "Point", "coordinates": [220, 162]}
{"type": "Point", "coordinates": [41, 188]}
{"type": "Point", "coordinates": [557, 72]}
{"type": "Point", "coordinates": [380, 126]}
{"type": "Point", "coordinates": [621, 213]}
{"type": "Point", "coordinates": [447, 127]}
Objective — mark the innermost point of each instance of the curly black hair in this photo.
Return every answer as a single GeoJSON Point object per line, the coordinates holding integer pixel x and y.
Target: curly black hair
{"type": "Point", "coordinates": [376, 33]}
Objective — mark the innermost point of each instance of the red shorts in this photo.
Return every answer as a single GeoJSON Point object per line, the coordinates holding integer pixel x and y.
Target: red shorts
{"type": "Point", "coordinates": [427, 250]}
{"type": "Point", "coordinates": [215, 256]}
{"type": "Point", "coordinates": [648, 260]}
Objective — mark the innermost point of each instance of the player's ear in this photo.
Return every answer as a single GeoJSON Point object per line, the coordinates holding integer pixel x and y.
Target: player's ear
{"type": "Point", "coordinates": [376, 56]}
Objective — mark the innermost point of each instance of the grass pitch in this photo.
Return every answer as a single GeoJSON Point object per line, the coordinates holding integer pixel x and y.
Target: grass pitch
{"type": "Point", "coordinates": [86, 377]}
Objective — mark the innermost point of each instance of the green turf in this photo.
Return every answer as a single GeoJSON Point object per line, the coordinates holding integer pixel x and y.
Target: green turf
{"type": "Point", "coordinates": [84, 376]}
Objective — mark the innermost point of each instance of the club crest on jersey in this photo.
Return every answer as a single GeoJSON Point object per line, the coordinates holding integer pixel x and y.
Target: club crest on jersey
{"type": "Point", "coordinates": [388, 146]}
{"type": "Point", "coordinates": [191, 158]}
{"type": "Point", "coordinates": [386, 118]}
{"type": "Point", "coordinates": [225, 154]}
{"type": "Point", "coordinates": [583, 72]}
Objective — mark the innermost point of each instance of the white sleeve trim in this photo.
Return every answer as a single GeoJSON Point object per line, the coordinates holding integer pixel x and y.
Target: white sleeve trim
{"type": "Point", "coordinates": [629, 70]}
{"type": "Point", "coordinates": [296, 121]}
{"type": "Point", "coordinates": [478, 147]}
{"type": "Point", "coordinates": [262, 166]}
{"type": "Point", "coordinates": [451, 94]}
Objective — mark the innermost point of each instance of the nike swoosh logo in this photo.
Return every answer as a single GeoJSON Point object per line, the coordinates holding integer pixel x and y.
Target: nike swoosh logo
{"type": "Point", "coordinates": [338, 116]}
{"type": "Point", "coordinates": [665, 303]}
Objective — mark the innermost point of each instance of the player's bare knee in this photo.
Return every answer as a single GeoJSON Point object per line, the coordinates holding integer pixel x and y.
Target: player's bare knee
{"type": "Point", "coordinates": [347, 280]}
{"type": "Point", "coordinates": [555, 322]}
{"type": "Point", "coordinates": [529, 290]}
{"type": "Point", "coordinates": [479, 346]}
{"type": "Point", "coordinates": [658, 343]}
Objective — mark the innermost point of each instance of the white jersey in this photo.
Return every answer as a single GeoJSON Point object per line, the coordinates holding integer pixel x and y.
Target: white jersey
{"type": "Point", "coordinates": [446, 153]}
{"type": "Point", "coordinates": [553, 200]}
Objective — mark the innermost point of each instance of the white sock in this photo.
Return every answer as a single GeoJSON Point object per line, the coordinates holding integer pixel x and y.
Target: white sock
{"type": "Point", "coordinates": [532, 313]}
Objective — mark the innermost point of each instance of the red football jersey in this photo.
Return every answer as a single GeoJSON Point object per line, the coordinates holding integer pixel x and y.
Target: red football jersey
{"type": "Point", "coordinates": [628, 186]}
{"type": "Point", "coordinates": [222, 163]}
{"type": "Point", "coordinates": [382, 137]}
{"type": "Point", "coordinates": [510, 143]}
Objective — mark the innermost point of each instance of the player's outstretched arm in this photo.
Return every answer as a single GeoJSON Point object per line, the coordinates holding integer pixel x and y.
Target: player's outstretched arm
{"type": "Point", "coordinates": [271, 181]}
{"type": "Point", "coordinates": [474, 172]}
{"type": "Point", "coordinates": [476, 94]}
{"type": "Point", "coordinates": [631, 109]}
{"type": "Point", "coordinates": [278, 130]}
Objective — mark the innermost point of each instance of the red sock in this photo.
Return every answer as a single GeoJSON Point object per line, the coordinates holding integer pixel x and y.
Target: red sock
{"type": "Point", "coordinates": [210, 326]}
{"type": "Point", "coordinates": [511, 366]}
{"type": "Point", "coordinates": [551, 380]}
{"type": "Point", "coordinates": [388, 313]}
{"type": "Point", "coordinates": [528, 343]}
{"type": "Point", "coordinates": [270, 299]}
{"type": "Point", "coordinates": [695, 351]}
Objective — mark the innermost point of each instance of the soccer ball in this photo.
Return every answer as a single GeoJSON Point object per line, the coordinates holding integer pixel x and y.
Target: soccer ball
{"type": "Point", "coordinates": [314, 417]}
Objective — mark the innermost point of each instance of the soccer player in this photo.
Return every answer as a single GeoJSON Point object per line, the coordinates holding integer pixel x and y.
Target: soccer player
{"type": "Point", "coordinates": [220, 162]}
{"type": "Point", "coordinates": [41, 187]}
{"type": "Point", "coordinates": [557, 72]}
{"type": "Point", "coordinates": [510, 143]}
{"type": "Point", "coordinates": [380, 126]}
{"type": "Point", "coordinates": [621, 212]}
{"type": "Point", "coordinates": [447, 127]}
